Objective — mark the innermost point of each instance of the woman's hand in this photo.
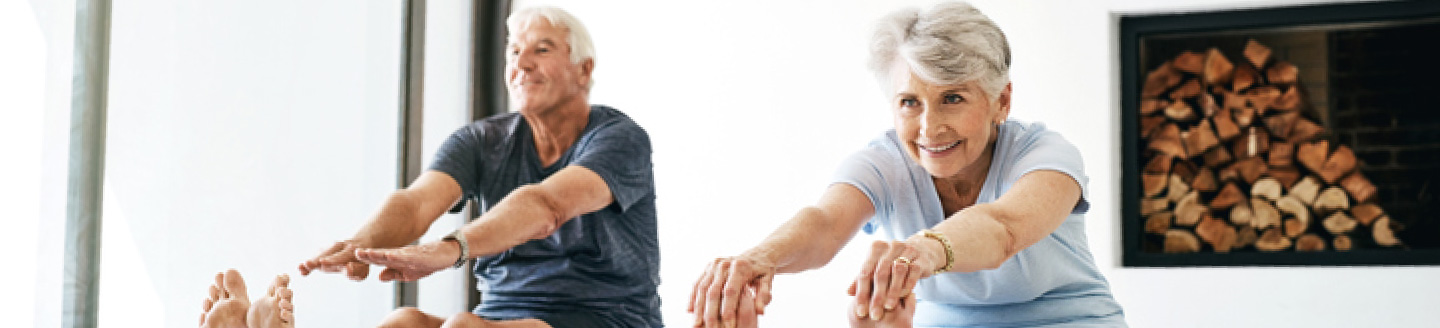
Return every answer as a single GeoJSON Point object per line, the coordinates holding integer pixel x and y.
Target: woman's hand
{"type": "Point", "coordinates": [413, 262]}
{"type": "Point", "coordinates": [903, 316]}
{"type": "Point", "coordinates": [716, 299]}
{"type": "Point", "coordinates": [888, 275]}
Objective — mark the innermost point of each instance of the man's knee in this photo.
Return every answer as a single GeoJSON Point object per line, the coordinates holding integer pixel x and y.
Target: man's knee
{"type": "Point", "coordinates": [409, 317]}
{"type": "Point", "coordinates": [465, 320]}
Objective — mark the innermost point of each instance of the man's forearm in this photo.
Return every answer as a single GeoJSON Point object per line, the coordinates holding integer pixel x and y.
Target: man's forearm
{"type": "Point", "coordinates": [524, 215]}
{"type": "Point", "coordinates": [395, 224]}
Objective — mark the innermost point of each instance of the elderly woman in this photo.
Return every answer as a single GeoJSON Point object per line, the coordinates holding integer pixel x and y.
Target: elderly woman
{"type": "Point", "coordinates": [983, 217]}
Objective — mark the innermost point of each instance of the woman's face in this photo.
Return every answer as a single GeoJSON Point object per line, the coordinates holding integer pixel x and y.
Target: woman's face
{"type": "Point", "coordinates": [945, 128]}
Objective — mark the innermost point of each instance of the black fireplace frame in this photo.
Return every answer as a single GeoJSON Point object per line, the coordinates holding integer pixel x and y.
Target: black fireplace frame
{"type": "Point", "coordinates": [1132, 28]}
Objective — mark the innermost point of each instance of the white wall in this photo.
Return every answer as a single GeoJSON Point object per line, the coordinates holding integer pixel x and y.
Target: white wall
{"type": "Point", "coordinates": [245, 135]}
{"type": "Point", "coordinates": [750, 105]}
{"type": "Point", "coordinates": [22, 114]}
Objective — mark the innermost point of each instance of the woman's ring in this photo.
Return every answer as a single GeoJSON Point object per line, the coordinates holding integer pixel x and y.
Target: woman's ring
{"type": "Point", "coordinates": [903, 259]}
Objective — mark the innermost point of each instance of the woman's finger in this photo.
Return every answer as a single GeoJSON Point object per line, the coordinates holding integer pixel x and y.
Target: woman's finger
{"type": "Point", "coordinates": [737, 280]}
{"type": "Point", "coordinates": [762, 291]}
{"type": "Point", "coordinates": [899, 273]}
{"type": "Point", "coordinates": [714, 294]}
{"type": "Point", "coordinates": [702, 289]}
{"type": "Point", "coordinates": [865, 279]}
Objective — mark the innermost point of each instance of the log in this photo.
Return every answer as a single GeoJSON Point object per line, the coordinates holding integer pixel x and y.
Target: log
{"type": "Point", "coordinates": [1331, 200]}
{"type": "Point", "coordinates": [1160, 80]}
{"type": "Point", "coordinates": [1383, 233]}
{"type": "Point", "coordinates": [1217, 157]}
{"type": "Point", "coordinates": [1282, 73]}
{"type": "Point", "coordinates": [1338, 164]}
{"type": "Point", "coordinates": [1359, 187]}
{"type": "Point", "coordinates": [1185, 170]}
{"type": "Point", "coordinates": [1166, 140]}
{"type": "Point", "coordinates": [1218, 69]}
{"type": "Point", "coordinates": [1245, 237]}
{"type": "Point", "coordinates": [1180, 111]}
{"type": "Point", "coordinates": [1151, 106]}
{"type": "Point", "coordinates": [1154, 205]}
{"type": "Point", "coordinates": [1250, 169]}
{"type": "Point", "coordinates": [1287, 175]}
{"type": "Point", "coordinates": [1244, 77]}
{"type": "Point", "coordinates": [1187, 90]}
{"type": "Point", "coordinates": [1241, 214]}
{"type": "Point", "coordinates": [1256, 53]}
{"type": "Point", "coordinates": [1251, 143]}
{"type": "Point", "coordinates": [1288, 101]}
{"type": "Point", "coordinates": [1205, 181]}
{"type": "Point", "coordinates": [1225, 126]}
{"type": "Point", "coordinates": [1296, 209]}
{"type": "Point", "coordinates": [1199, 139]}
{"type": "Point", "coordinates": [1305, 130]}
{"type": "Point", "coordinates": [1177, 189]}
{"type": "Point", "coordinates": [1264, 215]}
{"type": "Point", "coordinates": [1366, 213]}
{"type": "Point", "coordinates": [1309, 243]}
{"type": "Point", "coordinates": [1261, 97]}
{"type": "Point", "coordinates": [1181, 241]}
{"type": "Point", "coordinates": [1290, 126]}
{"type": "Point", "coordinates": [1266, 188]}
{"type": "Point", "coordinates": [1281, 153]}
{"type": "Point", "coordinates": [1343, 243]}
{"type": "Point", "coordinates": [1329, 167]}
{"type": "Point", "coordinates": [1306, 190]}
{"type": "Point", "coordinates": [1272, 240]}
{"type": "Point", "coordinates": [1339, 223]}
{"type": "Point", "coordinates": [1229, 196]}
{"type": "Point", "coordinates": [1189, 62]}
{"type": "Point", "coordinates": [1188, 210]}
{"type": "Point", "coordinates": [1150, 124]}
{"type": "Point", "coordinates": [1294, 227]}
{"type": "Point", "coordinates": [1156, 174]}
{"type": "Point", "coordinates": [1244, 116]}
{"type": "Point", "coordinates": [1158, 223]}
{"type": "Point", "coordinates": [1207, 104]}
{"type": "Point", "coordinates": [1219, 235]}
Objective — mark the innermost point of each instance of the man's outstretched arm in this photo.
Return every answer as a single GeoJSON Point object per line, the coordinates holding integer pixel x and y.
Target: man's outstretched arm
{"type": "Point", "coordinates": [530, 212]}
{"type": "Point", "coordinates": [403, 218]}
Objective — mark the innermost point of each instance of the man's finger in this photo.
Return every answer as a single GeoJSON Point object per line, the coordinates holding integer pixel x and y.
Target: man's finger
{"type": "Point", "coordinates": [357, 270]}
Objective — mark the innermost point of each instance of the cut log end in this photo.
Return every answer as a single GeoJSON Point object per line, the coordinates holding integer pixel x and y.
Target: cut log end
{"type": "Point", "coordinates": [1181, 241]}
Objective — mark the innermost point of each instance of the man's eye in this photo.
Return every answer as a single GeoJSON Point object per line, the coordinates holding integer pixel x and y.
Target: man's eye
{"type": "Point", "coordinates": [542, 50]}
{"type": "Point", "coordinates": [953, 99]}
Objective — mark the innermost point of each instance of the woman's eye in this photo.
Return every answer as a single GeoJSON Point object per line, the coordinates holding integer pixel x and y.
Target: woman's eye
{"type": "Point", "coordinates": [953, 99]}
{"type": "Point", "coordinates": [909, 103]}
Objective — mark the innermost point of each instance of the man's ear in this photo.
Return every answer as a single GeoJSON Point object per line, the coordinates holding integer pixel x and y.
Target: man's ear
{"type": "Point", "coordinates": [1004, 103]}
{"type": "Point", "coordinates": [586, 68]}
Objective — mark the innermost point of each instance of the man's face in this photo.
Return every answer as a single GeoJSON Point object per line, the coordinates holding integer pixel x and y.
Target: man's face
{"type": "Point", "coordinates": [538, 71]}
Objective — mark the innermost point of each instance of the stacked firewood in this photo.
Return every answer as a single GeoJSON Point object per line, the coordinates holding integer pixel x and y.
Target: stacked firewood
{"type": "Point", "coordinates": [1232, 161]}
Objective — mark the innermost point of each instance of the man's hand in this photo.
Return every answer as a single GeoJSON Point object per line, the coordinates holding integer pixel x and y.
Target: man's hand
{"type": "Point", "coordinates": [411, 263]}
{"type": "Point", "coordinates": [339, 257]}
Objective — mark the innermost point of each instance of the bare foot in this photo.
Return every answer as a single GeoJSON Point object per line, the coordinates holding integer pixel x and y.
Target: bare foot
{"type": "Point", "coordinates": [275, 309]}
{"type": "Point", "coordinates": [227, 304]}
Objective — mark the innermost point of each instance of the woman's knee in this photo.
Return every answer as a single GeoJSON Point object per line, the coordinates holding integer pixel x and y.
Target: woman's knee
{"type": "Point", "coordinates": [409, 317]}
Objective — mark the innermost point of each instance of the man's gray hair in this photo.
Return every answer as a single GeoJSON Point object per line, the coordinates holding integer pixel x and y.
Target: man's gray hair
{"type": "Point", "coordinates": [581, 48]}
{"type": "Point", "coordinates": [950, 43]}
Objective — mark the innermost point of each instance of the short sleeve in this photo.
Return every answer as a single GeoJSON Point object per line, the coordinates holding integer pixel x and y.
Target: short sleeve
{"type": "Point", "coordinates": [865, 170]}
{"type": "Point", "coordinates": [1047, 150]}
{"type": "Point", "coordinates": [459, 157]}
{"type": "Point", "coordinates": [619, 152]}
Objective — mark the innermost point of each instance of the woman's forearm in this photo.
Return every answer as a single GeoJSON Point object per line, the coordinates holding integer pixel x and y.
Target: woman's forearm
{"type": "Point", "coordinates": [978, 240]}
{"type": "Point", "coordinates": [808, 241]}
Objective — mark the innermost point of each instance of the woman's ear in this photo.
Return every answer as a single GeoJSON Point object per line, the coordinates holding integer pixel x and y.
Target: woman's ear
{"type": "Point", "coordinates": [1004, 103]}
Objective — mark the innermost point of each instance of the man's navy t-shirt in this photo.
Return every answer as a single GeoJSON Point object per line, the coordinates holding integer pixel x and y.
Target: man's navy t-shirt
{"type": "Point", "coordinates": [605, 263]}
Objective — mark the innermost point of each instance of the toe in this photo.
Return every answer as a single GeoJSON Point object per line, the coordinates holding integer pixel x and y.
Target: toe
{"type": "Point", "coordinates": [235, 285]}
{"type": "Point", "coordinates": [287, 316]}
{"type": "Point", "coordinates": [286, 305]}
{"type": "Point", "coordinates": [214, 295]}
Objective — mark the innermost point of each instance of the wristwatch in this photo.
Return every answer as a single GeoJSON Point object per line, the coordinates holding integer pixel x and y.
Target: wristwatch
{"type": "Point", "coordinates": [464, 247]}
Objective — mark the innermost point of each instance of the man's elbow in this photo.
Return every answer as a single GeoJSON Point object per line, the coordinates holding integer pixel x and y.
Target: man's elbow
{"type": "Point", "coordinates": [549, 217]}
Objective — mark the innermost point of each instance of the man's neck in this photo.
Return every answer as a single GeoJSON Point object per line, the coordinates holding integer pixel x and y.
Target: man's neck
{"type": "Point", "coordinates": [555, 130]}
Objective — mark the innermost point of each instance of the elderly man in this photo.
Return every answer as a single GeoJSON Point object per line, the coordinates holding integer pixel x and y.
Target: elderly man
{"type": "Point", "coordinates": [568, 234]}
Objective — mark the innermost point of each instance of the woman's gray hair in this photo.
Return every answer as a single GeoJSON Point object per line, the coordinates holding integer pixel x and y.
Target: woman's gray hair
{"type": "Point", "coordinates": [951, 43]}
{"type": "Point", "coordinates": [581, 47]}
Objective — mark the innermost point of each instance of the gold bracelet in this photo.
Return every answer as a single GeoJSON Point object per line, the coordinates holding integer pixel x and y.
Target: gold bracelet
{"type": "Point", "coordinates": [949, 252]}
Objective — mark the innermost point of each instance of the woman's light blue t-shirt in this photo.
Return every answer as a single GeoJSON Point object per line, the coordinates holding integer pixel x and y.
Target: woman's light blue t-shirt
{"type": "Point", "coordinates": [1051, 283]}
